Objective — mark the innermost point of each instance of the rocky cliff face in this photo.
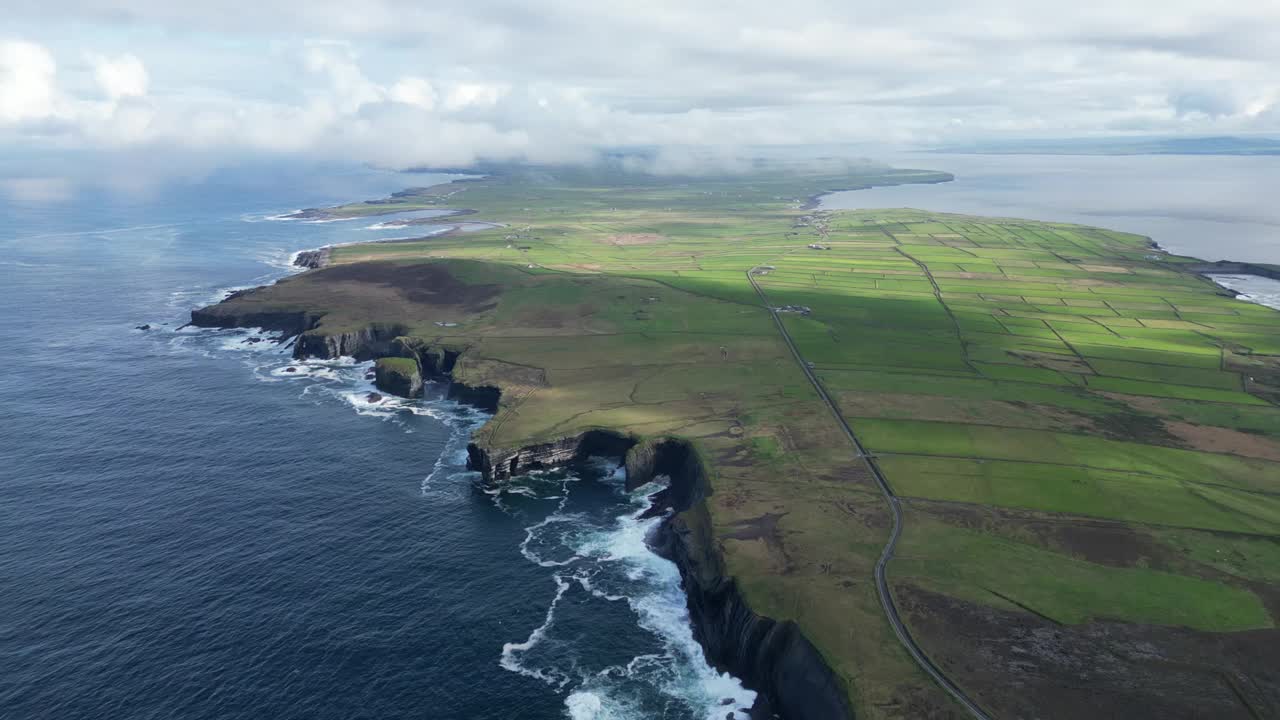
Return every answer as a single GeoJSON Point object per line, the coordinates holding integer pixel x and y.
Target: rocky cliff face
{"type": "Point", "coordinates": [498, 465]}
{"type": "Point", "coordinates": [367, 343]}
{"type": "Point", "coordinates": [436, 362]}
{"type": "Point", "coordinates": [398, 376]}
{"type": "Point", "coordinates": [218, 316]}
{"type": "Point", "coordinates": [773, 658]}
{"type": "Point", "coordinates": [312, 259]}
{"type": "Point", "coordinates": [364, 344]}
{"type": "Point", "coordinates": [484, 397]}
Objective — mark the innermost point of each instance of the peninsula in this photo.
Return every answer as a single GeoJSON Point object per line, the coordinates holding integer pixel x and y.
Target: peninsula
{"type": "Point", "coordinates": [922, 465]}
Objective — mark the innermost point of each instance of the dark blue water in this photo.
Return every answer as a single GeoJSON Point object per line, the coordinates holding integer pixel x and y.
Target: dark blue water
{"type": "Point", "coordinates": [190, 530]}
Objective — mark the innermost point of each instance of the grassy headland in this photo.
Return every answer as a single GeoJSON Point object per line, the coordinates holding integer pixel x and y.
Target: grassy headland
{"type": "Point", "coordinates": [1085, 434]}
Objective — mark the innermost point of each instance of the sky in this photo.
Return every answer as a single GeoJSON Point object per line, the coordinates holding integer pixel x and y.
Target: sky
{"type": "Point", "coordinates": [403, 83]}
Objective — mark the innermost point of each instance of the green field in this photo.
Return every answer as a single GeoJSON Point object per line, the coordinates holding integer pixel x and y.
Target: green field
{"type": "Point", "coordinates": [1081, 431]}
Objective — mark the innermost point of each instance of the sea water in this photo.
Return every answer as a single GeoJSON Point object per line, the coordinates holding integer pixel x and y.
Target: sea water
{"type": "Point", "coordinates": [195, 525]}
{"type": "Point", "coordinates": [1210, 207]}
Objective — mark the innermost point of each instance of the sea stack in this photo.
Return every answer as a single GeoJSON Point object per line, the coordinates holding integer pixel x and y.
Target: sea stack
{"type": "Point", "coordinates": [398, 376]}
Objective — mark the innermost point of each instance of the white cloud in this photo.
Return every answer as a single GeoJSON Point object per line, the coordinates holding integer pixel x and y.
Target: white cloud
{"type": "Point", "coordinates": [120, 77]}
{"type": "Point", "coordinates": [348, 87]}
{"type": "Point", "coordinates": [27, 77]}
{"type": "Point", "coordinates": [414, 91]}
{"type": "Point", "coordinates": [465, 95]}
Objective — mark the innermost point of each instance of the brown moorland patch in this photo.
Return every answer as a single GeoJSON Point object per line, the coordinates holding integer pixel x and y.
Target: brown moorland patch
{"type": "Point", "coordinates": [1020, 665]}
{"type": "Point", "coordinates": [635, 239]}
{"type": "Point", "coordinates": [1225, 440]}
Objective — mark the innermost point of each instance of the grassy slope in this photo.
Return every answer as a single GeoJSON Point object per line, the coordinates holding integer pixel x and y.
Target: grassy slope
{"type": "Point", "coordinates": [1053, 371]}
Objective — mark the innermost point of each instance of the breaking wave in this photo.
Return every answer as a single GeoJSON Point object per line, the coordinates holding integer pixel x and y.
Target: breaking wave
{"type": "Point", "coordinates": [1252, 288]}
{"type": "Point", "coordinates": [592, 534]}
{"type": "Point", "coordinates": [343, 381]}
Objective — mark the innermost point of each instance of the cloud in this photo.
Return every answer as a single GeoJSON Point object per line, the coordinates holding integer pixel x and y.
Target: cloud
{"type": "Point", "coordinates": [27, 74]}
{"type": "Point", "coordinates": [466, 95]}
{"type": "Point", "coordinates": [403, 82]}
{"type": "Point", "coordinates": [120, 77]}
{"type": "Point", "coordinates": [414, 91]}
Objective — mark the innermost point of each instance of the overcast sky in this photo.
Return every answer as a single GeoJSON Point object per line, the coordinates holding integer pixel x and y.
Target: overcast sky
{"type": "Point", "coordinates": [400, 82]}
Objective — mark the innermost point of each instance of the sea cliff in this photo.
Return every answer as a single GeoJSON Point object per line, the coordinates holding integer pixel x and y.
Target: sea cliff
{"type": "Point", "coordinates": [773, 658]}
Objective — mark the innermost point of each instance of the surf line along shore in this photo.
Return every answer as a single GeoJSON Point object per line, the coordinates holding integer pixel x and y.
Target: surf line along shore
{"type": "Point", "coordinates": [772, 658]}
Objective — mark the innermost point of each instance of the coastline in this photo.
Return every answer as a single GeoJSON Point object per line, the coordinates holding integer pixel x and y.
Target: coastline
{"type": "Point", "coordinates": [319, 257]}
{"type": "Point", "coordinates": [791, 678]}
{"type": "Point", "coordinates": [500, 373]}
{"type": "Point", "coordinates": [814, 202]}
{"type": "Point", "coordinates": [773, 658]}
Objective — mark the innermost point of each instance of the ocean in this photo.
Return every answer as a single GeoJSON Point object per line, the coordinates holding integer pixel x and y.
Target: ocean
{"type": "Point", "coordinates": [197, 526]}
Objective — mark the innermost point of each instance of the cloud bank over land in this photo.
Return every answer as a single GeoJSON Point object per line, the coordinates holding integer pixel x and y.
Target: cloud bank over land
{"type": "Point", "coordinates": [403, 83]}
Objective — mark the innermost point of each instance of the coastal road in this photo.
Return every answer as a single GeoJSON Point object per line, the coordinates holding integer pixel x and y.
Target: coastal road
{"type": "Point", "coordinates": [895, 506]}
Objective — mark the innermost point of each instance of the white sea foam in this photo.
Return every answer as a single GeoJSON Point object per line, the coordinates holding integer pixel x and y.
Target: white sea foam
{"type": "Point", "coordinates": [344, 380]}
{"type": "Point", "coordinates": [324, 221]}
{"type": "Point", "coordinates": [291, 215]}
{"type": "Point", "coordinates": [512, 652]}
{"type": "Point", "coordinates": [1252, 288]}
{"type": "Point", "coordinates": [610, 560]}
{"type": "Point", "coordinates": [21, 264]}
{"type": "Point", "coordinates": [450, 464]}
{"type": "Point", "coordinates": [538, 532]}
{"type": "Point", "coordinates": [661, 608]}
{"type": "Point", "coordinates": [105, 231]}
{"type": "Point", "coordinates": [300, 371]}
{"type": "Point", "coordinates": [279, 260]}
{"type": "Point", "coordinates": [584, 706]}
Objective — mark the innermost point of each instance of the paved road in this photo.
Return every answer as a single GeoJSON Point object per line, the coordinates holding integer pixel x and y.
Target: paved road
{"type": "Point", "coordinates": [882, 584]}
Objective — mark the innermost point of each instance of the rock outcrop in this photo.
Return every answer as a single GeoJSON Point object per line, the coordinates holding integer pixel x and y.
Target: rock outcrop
{"type": "Point", "coordinates": [284, 321]}
{"type": "Point", "coordinates": [436, 361]}
{"type": "Point", "coordinates": [378, 340]}
{"type": "Point", "coordinates": [484, 397]}
{"type": "Point", "coordinates": [367, 343]}
{"type": "Point", "coordinates": [398, 376]}
{"type": "Point", "coordinates": [499, 465]}
{"type": "Point", "coordinates": [312, 259]}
